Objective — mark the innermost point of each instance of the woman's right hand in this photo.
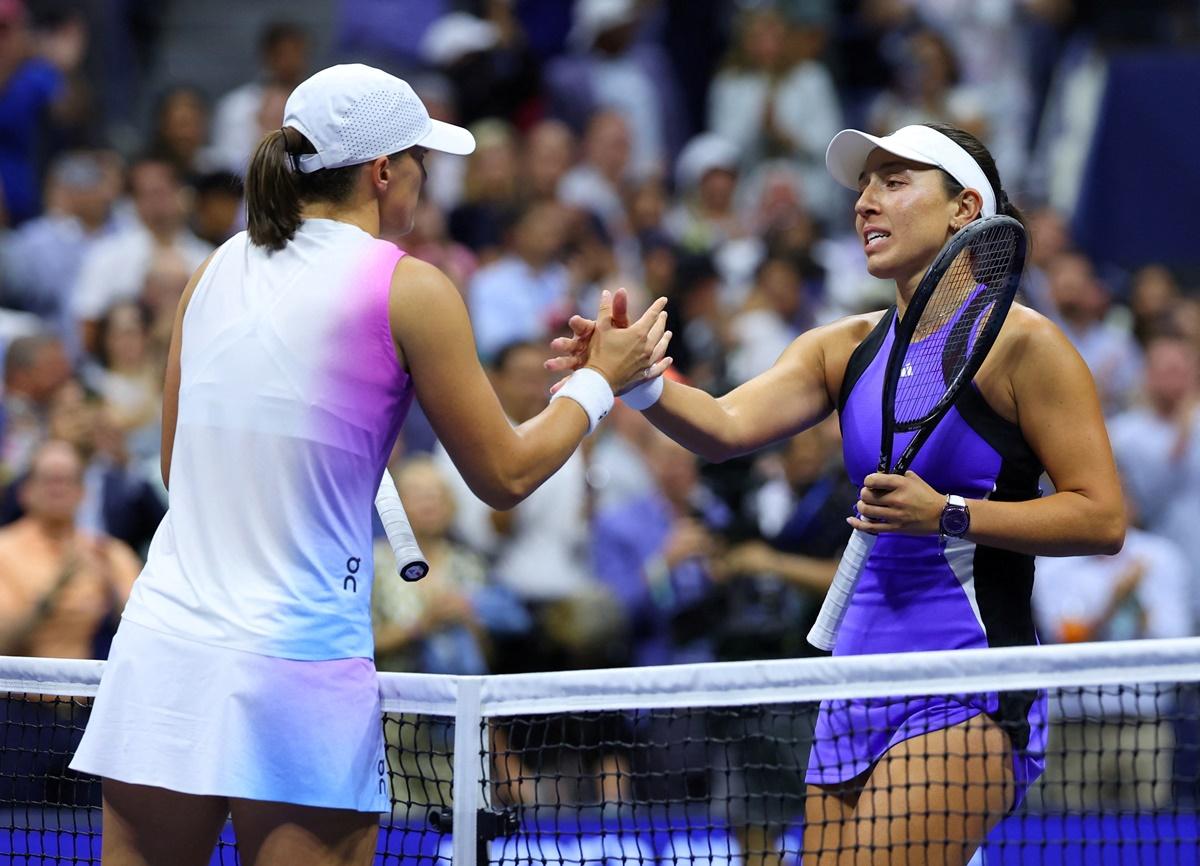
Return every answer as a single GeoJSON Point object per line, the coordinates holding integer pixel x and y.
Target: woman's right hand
{"type": "Point", "coordinates": [625, 354]}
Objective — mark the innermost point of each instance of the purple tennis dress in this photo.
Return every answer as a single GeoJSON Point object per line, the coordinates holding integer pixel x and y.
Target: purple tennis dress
{"type": "Point", "coordinates": [925, 593]}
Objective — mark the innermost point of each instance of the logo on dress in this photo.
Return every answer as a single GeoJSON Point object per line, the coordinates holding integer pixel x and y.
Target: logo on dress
{"type": "Point", "coordinates": [353, 564]}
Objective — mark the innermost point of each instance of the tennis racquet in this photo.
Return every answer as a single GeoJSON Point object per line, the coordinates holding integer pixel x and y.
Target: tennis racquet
{"type": "Point", "coordinates": [949, 327]}
{"type": "Point", "coordinates": [410, 562]}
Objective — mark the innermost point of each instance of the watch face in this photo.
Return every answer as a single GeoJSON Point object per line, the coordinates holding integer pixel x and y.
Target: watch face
{"type": "Point", "coordinates": [955, 520]}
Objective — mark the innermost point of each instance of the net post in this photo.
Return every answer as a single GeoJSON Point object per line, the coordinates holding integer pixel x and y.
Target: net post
{"type": "Point", "coordinates": [467, 719]}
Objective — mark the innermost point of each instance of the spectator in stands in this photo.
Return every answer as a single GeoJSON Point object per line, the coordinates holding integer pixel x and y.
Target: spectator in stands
{"type": "Point", "coordinates": [548, 156]}
{"type": "Point", "coordinates": [927, 88]}
{"type": "Point", "coordinates": [37, 80]}
{"type": "Point", "coordinates": [769, 105]}
{"type": "Point", "coordinates": [34, 368]}
{"type": "Point", "coordinates": [430, 626]}
{"type": "Point", "coordinates": [526, 293]}
{"type": "Point", "coordinates": [429, 242]}
{"type": "Point", "coordinates": [706, 179]}
{"type": "Point", "coordinates": [489, 190]}
{"type": "Point", "coordinates": [60, 586]}
{"type": "Point", "coordinates": [40, 261]}
{"type": "Point", "coordinates": [611, 69]}
{"type": "Point", "coordinates": [538, 549]}
{"type": "Point", "coordinates": [128, 376]}
{"type": "Point", "coordinates": [768, 321]}
{"type": "Point", "coordinates": [115, 269]}
{"type": "Point", "coordinates": [598, 183]}
{"type": "Point", "coordinates": [1158, 449]}
{"type": "Point", "coordinates": [180, 133]}
{"type": "Point", "coordinates": [1153, 297]}
{"type": "Point", "coordinates": [1083, 302]}
{"type": "Point", "coordinates": [217, 206]}
{"type": "Point", "coordinates": [1114, 751]}
{"type": "Point", "coordinates": [284, 49]}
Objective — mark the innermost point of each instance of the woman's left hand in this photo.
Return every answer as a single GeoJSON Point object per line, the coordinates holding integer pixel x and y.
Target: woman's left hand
{"type": "Point", "coordinates": [902, 504]}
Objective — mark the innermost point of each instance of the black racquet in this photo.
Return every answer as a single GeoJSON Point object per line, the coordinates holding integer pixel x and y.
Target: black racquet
{"type": "Point", "coordinates": [949, 327]}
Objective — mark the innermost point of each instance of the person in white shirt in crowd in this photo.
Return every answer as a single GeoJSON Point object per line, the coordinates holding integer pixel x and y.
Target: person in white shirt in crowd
{"type": "Point", "coordinates": [526, 293]}
{"type": "Point", "coordinates": [770, 103]}
{"type": "Point", "coordinates": [115, 268]}
{"type": "Point", "coordinates": [284, 50]}
{"type": "Point", "coordinates": [40, 261]}
{"type": "Point", "coordinates": [768, 322]}
{"type": "Point", "coordinates": [490, 190]}
{"type": "Point", "coordinates": [1082, 302]}
{"type": "Point", "coordinates": [706, 180]}
{"type": "Point", "coordinates": [599, 182]}
{"type": "Point", "coordinates": [1109, 749]}
{"type": "Point", "coordinates": [539, 548]}
{"type": "Point", "coordinates": [1157, 447]}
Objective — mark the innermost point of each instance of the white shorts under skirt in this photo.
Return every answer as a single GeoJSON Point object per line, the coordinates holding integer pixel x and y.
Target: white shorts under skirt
{"type": "Point", "coordinates": [201, 719]}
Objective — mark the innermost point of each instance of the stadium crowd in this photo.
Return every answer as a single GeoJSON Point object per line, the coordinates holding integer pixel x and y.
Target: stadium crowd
{"type": "Point", "coordinates": [673, 148]}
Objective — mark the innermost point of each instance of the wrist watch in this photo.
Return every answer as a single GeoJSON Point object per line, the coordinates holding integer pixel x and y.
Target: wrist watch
{"type": "Point", "coordinates": [956, 517]}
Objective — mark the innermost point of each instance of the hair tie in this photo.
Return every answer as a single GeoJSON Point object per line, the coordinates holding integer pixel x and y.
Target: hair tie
{"type": "Point", "coordinates": [293, 155]}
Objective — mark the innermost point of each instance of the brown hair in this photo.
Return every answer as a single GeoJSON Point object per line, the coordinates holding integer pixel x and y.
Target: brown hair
{"type": "Point", "coordinates": [978, 152]}
{"type": "Point", "coordinates": [276, 189]}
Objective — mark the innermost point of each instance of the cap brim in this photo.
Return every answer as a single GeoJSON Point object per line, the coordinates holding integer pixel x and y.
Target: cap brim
{"type": "Point", "coordinates": [848, 151]}
{"type": "Point", "coordinates": [448, 138]}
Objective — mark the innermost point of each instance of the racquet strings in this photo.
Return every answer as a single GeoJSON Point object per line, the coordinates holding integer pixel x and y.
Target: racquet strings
{"type": "Point", "coordinates": [946, 337]}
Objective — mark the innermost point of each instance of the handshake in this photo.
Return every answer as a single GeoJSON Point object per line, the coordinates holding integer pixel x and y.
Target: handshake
{"type": "Point", "coordinates": [630, 357]}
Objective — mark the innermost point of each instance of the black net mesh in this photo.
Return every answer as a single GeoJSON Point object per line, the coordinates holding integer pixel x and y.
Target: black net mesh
{"type": "Point", "coordinates": [1110, 777]}
{"type": "Point", "coordinates": [944, 340]}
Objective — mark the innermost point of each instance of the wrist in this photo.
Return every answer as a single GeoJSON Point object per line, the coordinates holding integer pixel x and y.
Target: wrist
{"type": "Point", "coordinates": [644, 395]}
{"type": "Point", "coordinates": [955, 519]}
{"type": "Point", "coordinates": [590, 389]}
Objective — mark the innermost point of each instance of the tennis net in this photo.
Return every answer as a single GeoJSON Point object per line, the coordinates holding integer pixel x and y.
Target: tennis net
{"type": "Point", "coordinates": [707, 764]}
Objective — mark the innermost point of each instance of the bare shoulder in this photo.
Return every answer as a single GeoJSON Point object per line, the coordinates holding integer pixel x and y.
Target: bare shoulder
{"type": "Point", "coordinates": [1028, 335]}
{"type": "Point", "coordinates": [416, 277]}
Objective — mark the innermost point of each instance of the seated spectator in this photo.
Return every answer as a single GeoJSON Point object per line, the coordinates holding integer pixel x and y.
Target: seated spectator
{"type": "Point", "coordinates": [180, 132]}
{"type": "Point", "coordinates": [283, 51]}
{"type": "Point", "coordinates": [489, 190]}
{"type": "Point", "coordinates": [128, 377]}
{"type": "Point", "coordinates": [769, 320]}
{"type": "Point", "coordinates": [597, 184]}
{"type": "Point", "coordinates": [61, 588]}
{"type": "Point", "coordinates": [1112, 750]}
{"type": "Point", "coordinates": [35, 367]}
{"type": "Point", "coordinates": [526, 293]}
{"type": "Point", "coordinates": [538, 549]}
{"type": "Point", "coordinates": [1153, 296]}
{"type": "Point", "coordinates": [926, 88]}
{"type": "Point", "coordinates": [1082, 302]}
{"type": "Point", "coordinates": [40, 261]}
{"type": "Point", "coordinates": [115, 268]}
{"type": "Point", "coordinates": [769, 104]}
{"type": "Point", "coordinates": [446, 622]}
{"type": "Point", "coordinates": [548, 155]}
{"type": "Point", "coordinates": [706, 181]}
{"type": "Point", "coordinates": [217, 206]}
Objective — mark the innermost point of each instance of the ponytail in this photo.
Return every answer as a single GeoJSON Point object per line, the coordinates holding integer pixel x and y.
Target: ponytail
{"type": "Point", "coordinates": [272, 194]}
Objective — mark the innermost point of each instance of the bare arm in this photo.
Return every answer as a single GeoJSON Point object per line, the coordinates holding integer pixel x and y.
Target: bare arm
{"type": "Point", "coordinates": [1059, 416]}
{"type": "Point", "coordinates": [170, 409]}
{"type": "Point", "coordinates": [501, 464]}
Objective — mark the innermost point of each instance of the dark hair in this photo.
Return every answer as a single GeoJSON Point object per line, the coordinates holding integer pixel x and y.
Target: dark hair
{"type": "Point", "coordinates": [145, 316]}
{"type": "Point", "coordinates": [276, 190]}
{"type": "Point", "coordinates": [978, 152]}
{"type": "Point", "coordinates": [277, 32]}
{"type": "Point", "coordinates": [218, 182]}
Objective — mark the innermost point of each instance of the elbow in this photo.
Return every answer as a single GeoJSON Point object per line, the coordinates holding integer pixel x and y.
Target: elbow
{"type": "Point", "coordinates": [1113, 538]}
{"type": "Point", "coordinates": [503, 492]}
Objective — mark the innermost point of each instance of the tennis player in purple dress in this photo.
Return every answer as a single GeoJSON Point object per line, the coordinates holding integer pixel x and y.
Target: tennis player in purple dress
{"type": "Point", "coordinates": [923, 781]}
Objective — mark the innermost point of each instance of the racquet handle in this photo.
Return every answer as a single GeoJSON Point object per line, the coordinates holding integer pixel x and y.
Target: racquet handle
{"type": "Point", "coordinates": [410, 562]}
{"type": "Point", "coordinates": [823, 634]}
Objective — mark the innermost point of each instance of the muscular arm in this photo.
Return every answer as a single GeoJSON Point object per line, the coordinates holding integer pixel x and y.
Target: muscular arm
{"type": "Point", "coordinates": [501, 464]}
{"type": "Point", "coordinates": [170, 409]}
{"type": "Point", "coordinates": [791, 396]}
{"type": "Point", "coordinates": [1060, 417]}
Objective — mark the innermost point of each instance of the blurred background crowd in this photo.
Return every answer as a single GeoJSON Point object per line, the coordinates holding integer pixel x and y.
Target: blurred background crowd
{"type": "Point", "coordinates": [675, 147]}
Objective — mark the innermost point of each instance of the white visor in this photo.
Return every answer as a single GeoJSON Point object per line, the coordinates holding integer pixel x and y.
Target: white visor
{"type": "Point", "coordinates": [848, 152]}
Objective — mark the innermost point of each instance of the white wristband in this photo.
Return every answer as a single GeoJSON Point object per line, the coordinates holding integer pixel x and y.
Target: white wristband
{"type": "Point", "coordinates": [591, 391]}
{"type": "Point", "coordinates": [644, 395]}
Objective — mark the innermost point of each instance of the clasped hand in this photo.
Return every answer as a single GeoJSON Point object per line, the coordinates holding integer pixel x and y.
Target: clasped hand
{"type": "Point", "coordinates": [626, 354]}
{"type": "Point", "coordinates": [902, 504]}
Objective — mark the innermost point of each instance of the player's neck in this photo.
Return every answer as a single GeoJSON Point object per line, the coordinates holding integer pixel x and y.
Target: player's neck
{"type": "Point", "coordinates": [365, 215]}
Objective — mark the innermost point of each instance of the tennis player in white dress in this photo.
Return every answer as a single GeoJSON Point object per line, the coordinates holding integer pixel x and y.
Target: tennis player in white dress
{"type": "Point", "coordinates": [241, 680]}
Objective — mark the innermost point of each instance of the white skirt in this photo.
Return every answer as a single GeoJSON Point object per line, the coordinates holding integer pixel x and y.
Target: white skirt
{"type": "Point", "coordinates": [200, 719]}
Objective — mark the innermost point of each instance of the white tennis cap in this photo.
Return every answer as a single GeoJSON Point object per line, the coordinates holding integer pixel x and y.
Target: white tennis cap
{"type": "Point", "coordinates": [848, 152]}
{"type": "Point", "coordinates": [354, 113]}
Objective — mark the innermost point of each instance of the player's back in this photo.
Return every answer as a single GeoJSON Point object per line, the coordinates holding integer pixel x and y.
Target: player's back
{"type": "Point", "coordinates": [290, 399]}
